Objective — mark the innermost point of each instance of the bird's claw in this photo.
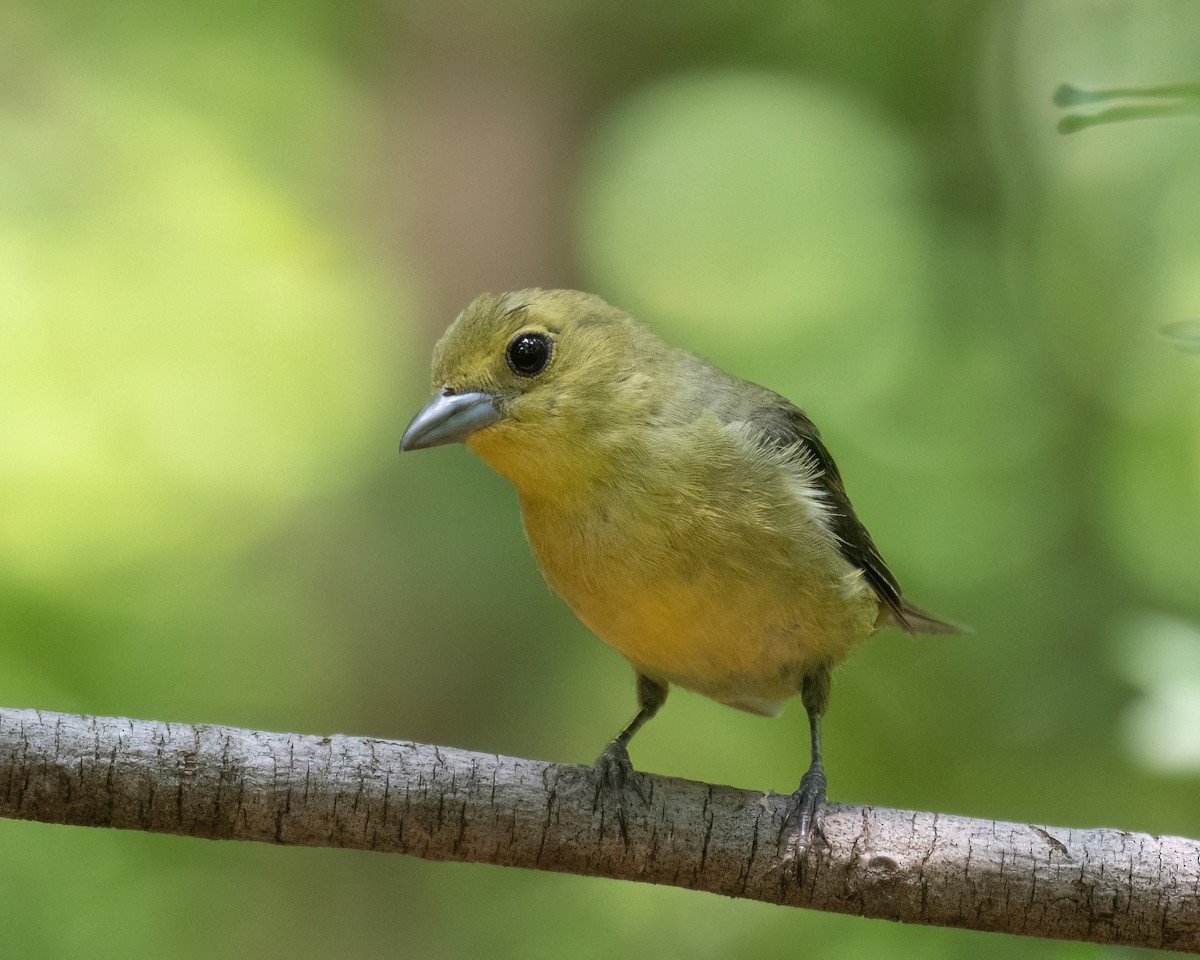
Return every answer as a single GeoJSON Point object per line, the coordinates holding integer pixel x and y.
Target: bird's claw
{"type": "Point", "coordinates": [617, 783]}
{"type": "Point", "coordinates": [804, 823]}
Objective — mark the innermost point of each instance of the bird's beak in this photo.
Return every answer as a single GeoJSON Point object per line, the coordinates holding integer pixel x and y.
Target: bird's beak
{"type": "Point", "coordinates": [449, 418]}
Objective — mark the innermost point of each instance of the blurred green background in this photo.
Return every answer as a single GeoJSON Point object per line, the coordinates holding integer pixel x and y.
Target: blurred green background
{"type": "Point", "coordinates": [229, 236]}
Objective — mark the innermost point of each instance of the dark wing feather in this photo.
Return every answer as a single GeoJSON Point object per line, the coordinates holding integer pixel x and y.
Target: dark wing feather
{"type": "Point", "coordinates": [786, 428]}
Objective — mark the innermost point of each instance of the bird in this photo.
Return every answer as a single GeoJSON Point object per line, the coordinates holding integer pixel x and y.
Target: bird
{"type": "Point", "coordinates": [694, 521]}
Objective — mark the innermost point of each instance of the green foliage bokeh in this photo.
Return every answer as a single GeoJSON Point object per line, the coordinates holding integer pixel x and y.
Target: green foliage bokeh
{"type": "Point", "coordinates": [229, 236]}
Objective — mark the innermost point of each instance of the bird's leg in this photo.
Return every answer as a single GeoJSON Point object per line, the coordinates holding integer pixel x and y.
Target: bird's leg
{"type": "Point", "coordinates": [805, 820]}
{"type": "Point", "coordinates": [808, 814]}
{"type": "Point", "coordinates": [616, 774]}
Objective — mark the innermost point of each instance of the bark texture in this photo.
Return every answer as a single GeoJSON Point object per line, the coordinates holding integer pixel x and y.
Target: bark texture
{"type": "Point", "coordinates": [1106, 886]}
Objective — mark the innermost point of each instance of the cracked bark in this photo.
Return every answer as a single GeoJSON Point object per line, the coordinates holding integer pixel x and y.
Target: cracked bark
{"type": "Point", "coordinates": [1106, 886]}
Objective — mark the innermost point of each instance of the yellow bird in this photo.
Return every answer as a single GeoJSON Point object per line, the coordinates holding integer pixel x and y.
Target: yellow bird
{"type": "Point", "coordinates": [694, 521]}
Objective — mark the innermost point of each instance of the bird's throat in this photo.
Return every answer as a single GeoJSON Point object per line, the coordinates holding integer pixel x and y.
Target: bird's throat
{"type": "Point", "coordinates": [544, 470]}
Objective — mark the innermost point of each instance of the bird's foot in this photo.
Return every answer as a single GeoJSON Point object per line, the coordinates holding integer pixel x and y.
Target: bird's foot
{"type": "Point", "coordinates": [804, 823]}
{"type": "Point", "coordinates": [618, 786]}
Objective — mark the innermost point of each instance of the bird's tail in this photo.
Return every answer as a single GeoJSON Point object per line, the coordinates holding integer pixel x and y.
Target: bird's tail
{"type": "Point", "coordinates": [912, 619]}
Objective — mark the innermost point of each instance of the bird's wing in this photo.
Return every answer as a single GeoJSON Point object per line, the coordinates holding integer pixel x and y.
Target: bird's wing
{"type": "Point", "coordinates": [784, 428]}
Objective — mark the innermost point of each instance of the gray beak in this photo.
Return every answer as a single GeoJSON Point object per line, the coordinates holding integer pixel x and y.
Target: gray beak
{"type": "Point", "coordinates": [449, 418]}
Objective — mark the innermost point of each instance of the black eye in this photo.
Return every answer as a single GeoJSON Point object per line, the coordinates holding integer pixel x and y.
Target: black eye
{"type": "Point", "coordinates": [528, 353]}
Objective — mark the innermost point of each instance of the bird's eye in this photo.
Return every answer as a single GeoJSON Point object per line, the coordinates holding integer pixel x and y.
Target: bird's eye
{"type": "Point", "coordinates": [528, 353]}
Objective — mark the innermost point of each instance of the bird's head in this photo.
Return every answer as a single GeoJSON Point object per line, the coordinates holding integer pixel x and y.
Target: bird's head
{"type": "Point", "coordinates": [537, 382]}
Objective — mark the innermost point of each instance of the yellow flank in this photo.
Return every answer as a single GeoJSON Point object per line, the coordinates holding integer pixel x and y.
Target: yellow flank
{"type": "Point", "coordinates": [712, 575]}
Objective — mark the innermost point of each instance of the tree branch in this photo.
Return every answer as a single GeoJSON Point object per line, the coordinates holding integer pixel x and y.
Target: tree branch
{"type": "Point", "coordinates": [1106, 886]}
